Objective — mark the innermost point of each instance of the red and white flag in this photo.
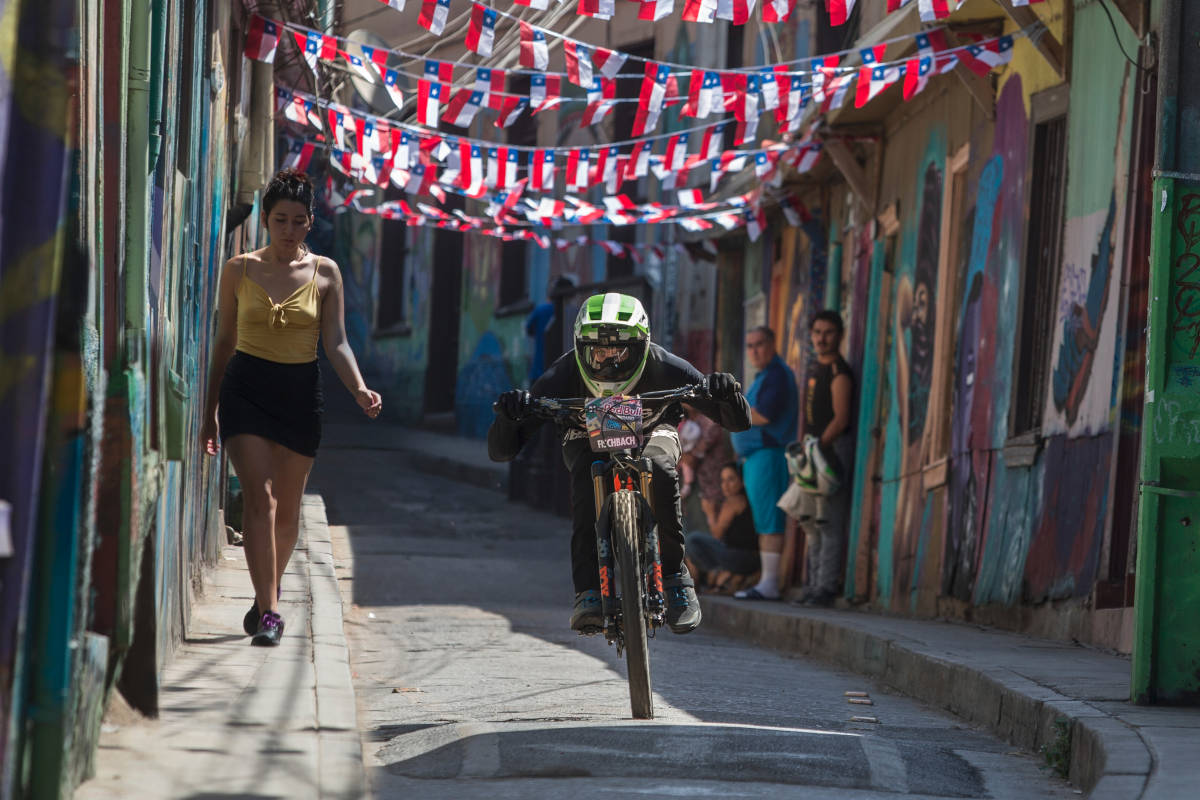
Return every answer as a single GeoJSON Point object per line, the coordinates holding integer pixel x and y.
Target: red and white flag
{"type": "Point", "coordinates": [600, 97]}
{"type": "Point", "coordinates": [650, 101]}
{"type": "Point", "coordinates": [601, 9]}
{"type": "Point", "coordinates": [434, 14]}
{"type": "Point", "coordinates": [656, 9]}
{"type": "Point", "coordinates": [690, 198]}
{"type": "Point", "coordinates": [316, 46]}
{"type": "Point", "coordinates": [391, 82]}
{"type": "Point", "coordinates": [535, 53]}
{"type": "Point", "coordinates": [490, 83]}
{"type": "Point", "coordinates": [839, 11]}
{"type": "Point", "coordinates": [896, 5]}
{"type": "Point", "coordinates": [396, 4]}
{"type": "Point", "coordinates": [481, 31]}
{"type": "Point", "coordinates": [994, 53]}
{"type": "Point", "coordinates": [502, 167]}
{"type": "Point", "coordinates": [262, 39]}
{"type": "Point", "coordinates": [577, 170]}
{"type": "Point", "coordinates": [639, 161]}
{"type": "Point", "coordinates": [823, 69]}
{"type": "Point", "coordinates": [509, 112]}
{"type": "Point", "coordinates": [579, 63]}
{"type": "Point", "coordinates": [337, 128]}
{"type": "Point", "coordinates": [699, 10]}
{"type": "Point", "coordinates": [768, 88]}
{"type": "Point", "coordinates": [429, 91]}
{"type": "Point", "coordinates": [779, 10]}
{"type": "Point", "coordinates": [358, 66]}
{"type": "Point", "coordinates": [470, 176]}
{"type": "Point", "coordinates": [538, 5]}
{"type": "Point", "coordinates": [791, 89]}
{"type": "Point", "coordinates": [541, 171]}
{"type": "Point", "coordinates": [736, 11]}
{"type": "Point", "coordinates": [544, 92]}
{"type": "Point", "coordinates": [605, 170]}
{"type": "Point", "coordinates": [872, 80]}
{"type": "Point", "coordinates": [836, 91]}
{"type": "Point", "coordinates": [806, 157]}
{"type": "Point", "coordinates": [710, 146]}
{"type": "Point", "coordinates": [1024, 2]}
{"type": "Point", "coordinates": [677, 147]}
{"type": "Point", "coordinates": [608, 62]}
{"type": "Point", "coordinates": [936, 9]}
{"type": "Point", "coordinates": [463, 107]}
{"type": "Point", "coordinates": [704, 88]}
{"type": "Point", "coordinates": [365, 137]}
{"type": "Point", "coordinates": [916, 75]}
{"type": "Point", "coordinates": [299, 154]}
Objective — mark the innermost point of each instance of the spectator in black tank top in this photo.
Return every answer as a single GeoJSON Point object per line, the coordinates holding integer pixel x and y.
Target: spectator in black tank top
{"type": "Point", "coordinates": [828, 399]}
{"type": "Point", "coordinates": [729, 553]}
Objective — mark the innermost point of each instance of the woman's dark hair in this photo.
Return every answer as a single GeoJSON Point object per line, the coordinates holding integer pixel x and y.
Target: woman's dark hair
{"type": "Point", "coordinates": [289, 184]}
{"type": "Point", "coordinates": [737, 470]}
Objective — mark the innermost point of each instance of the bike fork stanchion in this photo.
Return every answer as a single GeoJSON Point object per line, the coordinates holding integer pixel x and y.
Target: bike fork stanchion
{"type": "Point", "coordinates": [604, 554]}
{"type": "Point", "coordinates": [652, 558]}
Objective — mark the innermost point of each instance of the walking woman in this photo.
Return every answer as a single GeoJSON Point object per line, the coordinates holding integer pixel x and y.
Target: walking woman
{"type": "Point", "coordinates": [264, 397]}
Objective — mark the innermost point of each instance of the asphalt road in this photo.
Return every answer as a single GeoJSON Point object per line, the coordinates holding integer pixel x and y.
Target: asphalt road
{"type": "Point", "coordinates": [471, 685]}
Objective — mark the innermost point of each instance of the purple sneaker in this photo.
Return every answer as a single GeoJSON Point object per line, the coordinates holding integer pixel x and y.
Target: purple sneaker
{"type": "Point", "coordinates": [270, 630]}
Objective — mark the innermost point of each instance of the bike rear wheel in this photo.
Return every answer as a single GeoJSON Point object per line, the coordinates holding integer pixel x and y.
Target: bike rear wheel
{"type": "Point", "coordinates": [633, 621]}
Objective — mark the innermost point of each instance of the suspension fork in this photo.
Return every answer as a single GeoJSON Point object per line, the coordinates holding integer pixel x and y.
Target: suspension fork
{"type": "Point", "coordinates": [604, 553]}
{"type": "Point", "coordinates": [655, 601]}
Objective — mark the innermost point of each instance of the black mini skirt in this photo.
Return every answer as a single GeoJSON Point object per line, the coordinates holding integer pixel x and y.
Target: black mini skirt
{"type": "Point", "coordinates": [280, 402]}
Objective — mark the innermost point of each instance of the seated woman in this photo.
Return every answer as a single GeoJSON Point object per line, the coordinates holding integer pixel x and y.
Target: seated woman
{"type": "Point", "coordinates": [729, 554]}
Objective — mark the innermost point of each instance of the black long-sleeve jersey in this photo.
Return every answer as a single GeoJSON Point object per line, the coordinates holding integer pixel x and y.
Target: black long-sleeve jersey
{"type": "Point", "coordinates": [663, 371]}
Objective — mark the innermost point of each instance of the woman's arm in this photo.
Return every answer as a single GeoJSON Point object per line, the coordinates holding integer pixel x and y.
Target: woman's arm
{"type": "Point", "coordinates": [223, 346]}
{"type": "Point", "coordinates": [725, 518]}
{"type": "Point", "coordinates": [337, 346]}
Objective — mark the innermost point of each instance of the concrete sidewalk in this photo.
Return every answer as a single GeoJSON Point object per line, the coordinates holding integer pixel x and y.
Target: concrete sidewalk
{"type": "Point", "coordinates": [243, 721]}
{"type": "Point", "coordinates": [1037, 694]}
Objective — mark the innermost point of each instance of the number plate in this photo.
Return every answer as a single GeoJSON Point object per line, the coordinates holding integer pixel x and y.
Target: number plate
{"type": "Point", "coordinates": [614, 423]}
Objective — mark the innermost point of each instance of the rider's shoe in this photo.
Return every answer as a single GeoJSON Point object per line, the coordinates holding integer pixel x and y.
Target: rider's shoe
{"type": "Point", "coordinates": [683, 607]}
{"type": "Point", "coordinates": [270, 630]}
{"type": "Point", "coordinates": [587, 616]}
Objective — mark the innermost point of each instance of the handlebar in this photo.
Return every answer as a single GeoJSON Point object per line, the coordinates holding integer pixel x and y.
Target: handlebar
{"type": "Point", "coordinates": [559, 408]}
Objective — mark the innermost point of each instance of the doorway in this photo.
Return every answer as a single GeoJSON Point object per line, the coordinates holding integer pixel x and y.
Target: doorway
{"type": "Point", "coordinates": [445, 309]}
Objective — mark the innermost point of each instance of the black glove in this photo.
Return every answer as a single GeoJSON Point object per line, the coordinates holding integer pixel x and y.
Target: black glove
{"type": "Point", "coordinates": [722, 386]}
{"type": "Point", "coordinates": [513, 404]}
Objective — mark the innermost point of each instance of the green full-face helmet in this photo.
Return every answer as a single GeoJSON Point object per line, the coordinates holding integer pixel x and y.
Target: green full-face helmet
{"type": "Point", "coordinates": [612, 338]}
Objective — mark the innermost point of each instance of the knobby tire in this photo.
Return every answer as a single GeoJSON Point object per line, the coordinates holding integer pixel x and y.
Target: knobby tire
{"type": "Point", "coordinates": [626, 540]}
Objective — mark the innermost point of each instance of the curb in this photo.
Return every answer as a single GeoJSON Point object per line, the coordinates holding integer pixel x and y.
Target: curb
{"type": "Point", "coordinates": [340, 759]}
{"type": "Point", "coordinates": [1108, 759]}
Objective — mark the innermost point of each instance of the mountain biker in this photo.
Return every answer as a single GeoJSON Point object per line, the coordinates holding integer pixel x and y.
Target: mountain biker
{"type": "Point", "coordinates": [613, 355]}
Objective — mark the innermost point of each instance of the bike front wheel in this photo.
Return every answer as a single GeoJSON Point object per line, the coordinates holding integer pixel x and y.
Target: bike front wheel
{"type": "Point", "coordinates": [633, 621]}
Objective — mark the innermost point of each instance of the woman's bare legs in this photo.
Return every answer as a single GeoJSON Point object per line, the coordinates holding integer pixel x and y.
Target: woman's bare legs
{"type": "Point", "coordinates": [252, 461]}
{"type": "Point", "coordinates": [291, 476]}
{"type": "Point", "coordinates": [273, 479]}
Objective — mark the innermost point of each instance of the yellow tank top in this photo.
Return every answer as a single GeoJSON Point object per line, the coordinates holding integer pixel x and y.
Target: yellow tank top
{"type": "Point", "coordinates": [286, 331]}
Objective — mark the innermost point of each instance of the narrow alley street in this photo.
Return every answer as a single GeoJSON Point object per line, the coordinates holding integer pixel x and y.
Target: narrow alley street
{"type": "Point", "coordinates": [470, 684]}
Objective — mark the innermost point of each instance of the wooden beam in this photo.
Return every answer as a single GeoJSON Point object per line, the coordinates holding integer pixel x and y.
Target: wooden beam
{"type": "Point", "coordinates": [1045, 42]}
{"type": "Point", "coordinates": [980, 89]}
{"type": "Point", "coordinates": [853, 172]}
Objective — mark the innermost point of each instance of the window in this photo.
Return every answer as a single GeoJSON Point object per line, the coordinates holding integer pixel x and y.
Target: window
{"type": "Point", "coordinates": [390, 316]}
{"type": "Point", "coordinates": [1043, 259]}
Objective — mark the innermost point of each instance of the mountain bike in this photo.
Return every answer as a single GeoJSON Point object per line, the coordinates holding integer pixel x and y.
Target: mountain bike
{"type": "Point", "coordinates": [631, 578]}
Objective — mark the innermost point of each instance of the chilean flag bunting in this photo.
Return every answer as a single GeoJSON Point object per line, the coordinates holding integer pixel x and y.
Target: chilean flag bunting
{"type": "Point", "coordinates": [535, 53]}
{"type": "Point", "coordinates": [262, 39]}
{"type": "Point", "coordinates": [434, 14]}
{"type": "Point", "coordinates": [481, 31]}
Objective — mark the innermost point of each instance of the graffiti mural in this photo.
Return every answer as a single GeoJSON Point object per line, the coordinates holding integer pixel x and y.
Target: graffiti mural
{"type": "Point", "coordinates": [913, 327]}
{"type": "Point", "coordinates": [962, 536]}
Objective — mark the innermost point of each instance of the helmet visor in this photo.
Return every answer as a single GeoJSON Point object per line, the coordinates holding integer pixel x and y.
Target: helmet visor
{"type": "Point", "coordinates": [611, 361]}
